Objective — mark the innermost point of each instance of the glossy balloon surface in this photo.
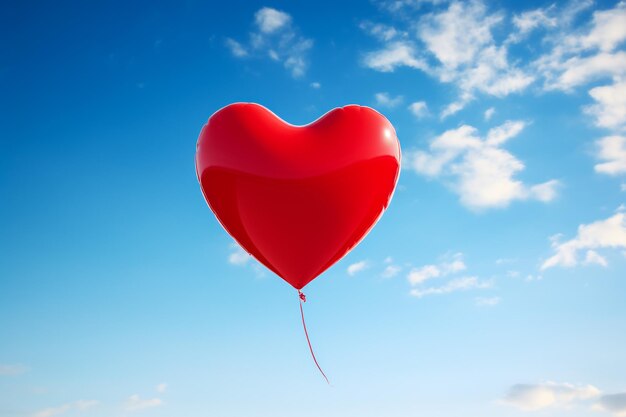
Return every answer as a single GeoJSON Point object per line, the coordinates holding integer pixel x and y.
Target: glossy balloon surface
{"type": "Point", "coordinates": [297, 198]}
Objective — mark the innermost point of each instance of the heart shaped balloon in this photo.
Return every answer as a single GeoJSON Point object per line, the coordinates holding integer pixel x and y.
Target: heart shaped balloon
{"type": "Point", "coordinates": [297, 198]}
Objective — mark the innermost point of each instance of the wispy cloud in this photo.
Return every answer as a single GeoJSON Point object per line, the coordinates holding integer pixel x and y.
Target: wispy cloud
{"type": "Point", "coordinates": [450, 265]}
{"type": "Point", "coordinates": [386, 100]}
{"type": "Point", "coordinates": [457, 284]}
{"type": "Point", "coordinates": [551, 395]}
{"type": "Point", "coordinates": [275, 37]}
{"type": "Point", "coordinates": [236, 48]}
{"type": "Point", "coordinates": [478, 169]}
{"type": "Point", "coordinates": [460, 49]}
{"type": "Point", "coordinates": [270, 20]}
{"type": "Point", "coordinates": [357, 267]}
{"type": "Point", "coordinates": [577, 57]}
{"type": "Point", "coordinates": [461, 40]}
{"type": "Point", "coordinates": [135, 403]}
{"type": "Point", "coordinates": [487, 301]}
{"type": "Point", "coordinates": [609, 111]}
{"type": "Point", "coordinates": [12, 369]}
{"type": "Point", "coordinates": [393, 55]}
{"type": "Point", "coordinates": [457, 44]}
{"type": "Point", "coordinates": [528, 21]}
{"type": "Point", "coordinates": [381, 31]}
{"type": "Point", "coordinates": [419, 109]}
{"type": "Point", "coordinates": [80, 405]}
{"type": "Point", "coordinates": [532, 397]}
{"type": "Point", "coordinates": [391, 268]}
{"type": "Point", "coordinates": [391, 271]}
{"type": "Point", "coordinates": [612, 403]}
{"type": "Point", "coordinates": [403, 6]}
{"type": "Point", "coordinates": [238, 256]}
{"type": "Point", "coordinates": [601, 234]}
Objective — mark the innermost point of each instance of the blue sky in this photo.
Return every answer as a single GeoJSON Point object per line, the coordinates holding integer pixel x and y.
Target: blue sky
{"type": "Point", "coordinates": [493, 286]}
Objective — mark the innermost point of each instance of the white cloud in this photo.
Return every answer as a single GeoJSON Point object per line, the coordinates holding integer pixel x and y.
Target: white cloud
{"type": "Point", "coordinates": [610, 108]}
{"type": "Point", "coordinates": [512, 273]}
{"type": "Point", "coordinates": [532, 397]}
{"type": "Point", "coordinates": [12, 369]}
{"type": "Point", "coordinates": [578, 57]}
{"type": "Point", "coordinates": [295, 58]}
{"type": "Point", "coordinates": [456, 44]}
{"type": "Point", "coordinates": [565, 74]}
{"type": "Point", "coordinates": [316, 85]}
{"type": "Point", "coordinates": [275, 37]}
{"type": "Point", "coordinates": [479, 170]}
{"type": "Point", "coordinates": [385, 100]}
{"type": "Point", "coordinates": [135, 402]}
{"type": "Point", "coordinates": [460, 38]}
{"type": "Point", "coordinates": [456, 265]}
{"type": "Point", "coordinates": [608, 29]}
{"type": "Point", "coordinates": [457, 284]}
{"type": "Point", "coordinates": [459, 41]}
{"type": "Point", "coordinates": [444, 149]}
{"type": "Point", "coordinates": [457, 35]}
{"type": "Point", "coordinates": [612, 151]}
{"type": "Point", "coordinates": [420, 275]}
{"type": "Point", "coordinates": [449, 265]}
{"type": "Point", "coordinates": [270, 20]}
{"type": "Point", "coordinates": [357, 267]}
{"type": "Point", "coordinates": [487, 301]}
{"type": "Point", "coordinates": [161, 388]}
{"type": "Point", "coordinates": [52, 411]}
{"type": "Point", "coordinates": [612, 403]}
{"type": "Point", "coordinates": [236, 48]}
{"type": "Point", "coordinates": [419, 109]}
{"type": "Point", "coordinates": [502, 261]}
{"type": "Point", "coordinates": [530, 278]}
{"type": "Point", "coordinates": [489, 113]}
{"type": "Point", "coordinates": [85, 404]}
{"type": "Point", "coordinates": [80, 405]}
{"type": "Point", "coordinates": [545, 192]}
{"type": "Point", "coordinates": [381, 31]}
{"type": "Point", "coordinates": [238, 256]}
{"type": "Point", "coordinates": [391, 271]}
{"type": "Point", "coordinates": [456, 106]}
{"type": "Point", "coordinates": [572, 9]}
{"type": "Point", "coordinates": [400, 6]}
{"type": "Point", "coordinates": [500, 134]}
{"type": "Point", "coordinates": [593, 257]}
{"type": "Point", "coordinates": [528, 21]}
{"type": "Point", "coordinates": [395, 54]}
{"type": "Point", "coordinates": [602, 234]}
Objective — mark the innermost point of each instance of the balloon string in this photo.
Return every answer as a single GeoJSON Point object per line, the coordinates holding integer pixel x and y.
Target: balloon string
{"type": "Point", "coordinates": [303, 300]}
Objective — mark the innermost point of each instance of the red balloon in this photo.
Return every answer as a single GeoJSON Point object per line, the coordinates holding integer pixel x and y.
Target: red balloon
{"type": "Point", "coordinates": [297, 198]}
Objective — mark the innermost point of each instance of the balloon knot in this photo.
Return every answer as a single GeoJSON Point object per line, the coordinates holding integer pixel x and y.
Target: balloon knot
{"type": "Point", "coordinates": [302, 296]}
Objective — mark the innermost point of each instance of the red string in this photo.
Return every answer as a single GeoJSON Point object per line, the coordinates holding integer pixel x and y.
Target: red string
{"type": "Point", "coordinates": [303, 300]}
